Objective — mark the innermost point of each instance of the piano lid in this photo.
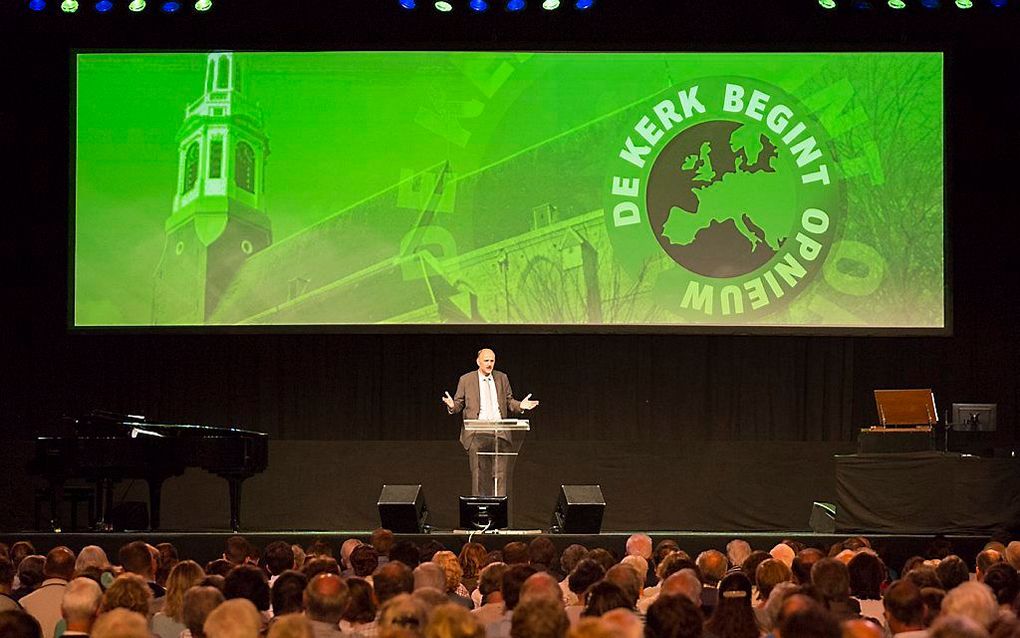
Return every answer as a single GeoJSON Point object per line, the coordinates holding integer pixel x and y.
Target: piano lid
{"type": "Point", "coordinates": [105, 423]}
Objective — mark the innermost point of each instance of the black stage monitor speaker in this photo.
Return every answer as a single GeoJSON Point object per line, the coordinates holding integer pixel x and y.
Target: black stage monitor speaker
{"type": "Point", "coordinates": [579, 510]}
{"type": "Point", "coordinates": [823, 518]}
{"type": "Point", "coordinates": [402, 509]}
{"type": "Point", "coordinates": [483, 512]}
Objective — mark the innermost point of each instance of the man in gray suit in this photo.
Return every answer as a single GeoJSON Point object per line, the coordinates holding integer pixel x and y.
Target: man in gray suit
{"type": "Point", "coordinates": [485, 393]}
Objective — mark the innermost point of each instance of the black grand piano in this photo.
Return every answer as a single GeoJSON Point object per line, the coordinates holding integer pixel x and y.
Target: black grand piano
{"type": "Point", "coordinates": [104, 448]}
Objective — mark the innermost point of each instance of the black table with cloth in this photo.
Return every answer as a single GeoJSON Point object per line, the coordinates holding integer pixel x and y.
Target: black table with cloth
{"type": "Point", "coordinates": [927, 492]}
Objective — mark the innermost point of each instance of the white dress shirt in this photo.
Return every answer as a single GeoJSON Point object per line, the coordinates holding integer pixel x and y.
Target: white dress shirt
{"type": "Point", "coordinates": [489, 399]}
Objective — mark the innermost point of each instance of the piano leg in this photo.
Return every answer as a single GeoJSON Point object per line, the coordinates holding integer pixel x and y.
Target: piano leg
{"type": "Point", "coordinates": [235, 502]}
{"type": "Point", "coordinates": [155, 491]}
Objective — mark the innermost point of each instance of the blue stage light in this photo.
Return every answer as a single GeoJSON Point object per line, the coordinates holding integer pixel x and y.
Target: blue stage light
{"type": "Point", "coordinates": [930, 4]}
{"type": "Point", "coordinates": [998, 4]}
{"type": "Point", "coordinates": [478, 5]}
{"type": "Point", "coordinates": [862, 5]}
{"type": "Point", "coordinates": [102, 6]}
{"type": "Point", "coordinates": [37, 5]}
{"type": "Point", "coordinates": [584, 4]}
{"type": "Point", "coordinates": [408, 4]}
{"type": "Point", "coordinates": [170, 6]}
{"type": "Point", "coordinates": [515, 5]}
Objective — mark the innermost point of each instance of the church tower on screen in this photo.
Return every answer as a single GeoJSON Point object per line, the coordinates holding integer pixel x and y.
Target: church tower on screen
{"type": "Point", "coordinates": [218, 218]}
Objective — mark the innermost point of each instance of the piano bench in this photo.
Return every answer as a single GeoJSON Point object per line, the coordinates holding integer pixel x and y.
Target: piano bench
{"type": "Point", "coordinates": [75, 496]}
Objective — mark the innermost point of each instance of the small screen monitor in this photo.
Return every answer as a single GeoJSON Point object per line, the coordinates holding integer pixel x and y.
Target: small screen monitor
{"type": "Point", "coordinates": [483, 512]}
{"type": "Point", "coordinates": [974, 417]}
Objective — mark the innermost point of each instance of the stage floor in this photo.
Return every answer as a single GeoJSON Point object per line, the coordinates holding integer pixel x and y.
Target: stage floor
{"type": "Point", "coordinates": [204, 546]}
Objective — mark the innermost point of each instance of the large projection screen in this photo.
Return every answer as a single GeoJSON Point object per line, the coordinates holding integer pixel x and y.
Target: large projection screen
{"type": "Point", "coordinates": [749, 192]}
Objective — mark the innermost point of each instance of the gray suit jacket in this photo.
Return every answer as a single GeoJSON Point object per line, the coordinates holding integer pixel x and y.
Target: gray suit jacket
{"type": "Point", "coordinates": [468, 399]}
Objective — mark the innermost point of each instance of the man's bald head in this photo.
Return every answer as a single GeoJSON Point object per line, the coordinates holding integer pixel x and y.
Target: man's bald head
{"type": "Point", "coordinates": [486, 361]}
{"type": "Point", "coordinates": [541, 585]}
{"type": "Point", "coordinates": [713, 566]}
{"type": "Point", "coordinates": [640, 545]}
{"type": "Point", "coordinates": [326, 598]}
{"type": "Point", "coordinates": [683, 583]}
{"type": "Point", "coordinates": [59, 563]}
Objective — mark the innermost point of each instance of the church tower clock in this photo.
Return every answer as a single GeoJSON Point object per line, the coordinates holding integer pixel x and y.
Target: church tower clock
{"type": "Point", "coordinates": [218, 218]}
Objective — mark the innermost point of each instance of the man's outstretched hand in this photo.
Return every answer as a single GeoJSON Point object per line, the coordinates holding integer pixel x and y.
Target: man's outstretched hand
{"type": "Point", "coordinates": [448, 400]}
{"type": "Point", "coordinates": [527, 403]}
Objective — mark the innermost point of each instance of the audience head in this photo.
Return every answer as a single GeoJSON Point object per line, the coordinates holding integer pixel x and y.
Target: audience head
{"type": "Point", "coordinates": [299, 557]}
{"type": "Point", "coordinates": [1012, 554]}
{"type": "Point", "coordinates": [184, 575]}
{"type": "Point", "coordinates": [734, 616]}
{"type": "Point", "coordinates": [862, 628]}
{"type": "Point", "coordinates": [166, 558]}
{"type": "Point", "coordinates": [320, 565]}
{"type": "Point", "coordinates": [429, 575]}
{"type": "Point", "coordinates": [80, 603]}
{"type": "Point", "coordinates": [605, 596]}
{"type": "Point", "coordinates": [952, 626]}
{"type": "Point", "coordinates": [326, 598]}
{"type": "Point", "coordinates": [291, 626]}
{"type": "Point", "coordinates": [803, 562]}
{"type": "Point", "coordinates": [198, 604]}
{"type": "Point", "coordinates": [713, 565]}
{"type": "Point", "coordinates": [539, 618]}
{"type": "Point", "coordinates": [91, 556]}
{"type": "Point", "coordinates": [571, 556]}
{"type": "Point", "coordinates": [278, 557]}
{"type": "Point", "coordinates": [513, 581]}
{"type": "Point", "coordinates": [1004, 582]}
{"type": "Point", "coordinates": [933, 598]}
{"type": "Point", "coordinates": [7, 573]}
{"type": "Point", "coordinates": [809, 621]}
{"type": "Point", "coordinates": [602, 557]}
{"type": "Point", "coordinates": [406, 552]}
{"type": "Point", "coordinates": [30, 571]}
{"type": "Point", "coordinates": [986, 559]}
{"type": "Point", "coordinates": [490, 582]}
{"type": "Point", "coordinates": [235, 618]}
{"type": "Point", "coordinates": [770, 573]}
{"type": "Point", "coordinates": [784, 553]}
{"type": "Point", "coordinates": [673, 563]}
{"type": "Point", "coordinates": [586, 573]}
{"type": "Point", "coordinates": [128, 591]}
{"type": "Point", "coordinates": [212, 580]}
{"type": "Point", "coordinates": [973, 600]}
{"type": "Point", "coordinates": [541, 585]}
{"type": "Point", "coordinates": [429, 549]}
{"type": "Point", "coordinates": [59, 563]}
{"type": "Point", "coordinates": [516, 553]}
{"type": "Point", "coordinates": [288, 592]}
{"type": "Point", "coordinates": [403, 612]}
{"type": "Point", "coordinates": [382, 540]}
{"type": "Point", "coordinates": [430, 597]}
{"type": "Point", "coordinates": [453, 621]}
{"type": "Point", "coordinates": [737, 551]}
{"type": "Point", "coordinates": [319, 548]}
{"type": "Point", "coordinates": [136, 558]}
{"type": "Point", "coordinates": [347, 548]}
{"type": "Point", "coordinates": [673, 617]}
{"type": "Point", "coordinates": [20, 550]}
{"type": "Point", "coordinates": [392, 579]}
{"type": "Point", "coordinates": [238, 550]}
{"type": "Point", "coordinates": [638, 564]}
{"type": "Point", "coordinates": [924, 576]}
{"type": "Point", "coordinates": [248, 582]}
{"type": "Point", "coordinates": [750, 564]}
{"type": "Point", "coordinates": [683, 583]}
{"type": "Point", "coordinates": [452, 571]}
{"type": "Point", "coordinates": [593, 627]}
{"type": "Point", "coordinates": [952, 571]}
{"type": "Point", "coordinates": [218, 567]}
{"type": "Point", "coordinates": [640, 545]}
{"type": "Point", "coordinates": [361, 608]}
{"type": "Point", "coordinates": [542, 553]}
{"type": "Point", "coordinates": [904, 606]}
{"type": "Point", "coordinates": [628, 580]}
{"type": "Point", "coordinates": [121, 623]}
{"type": "Point", "coordinates": [867, 574]}
{"type": "Point", "coordinates": [471, 559]}
{"type": "Point", "coordinates": [364, 560]}
{"type": "Point", "coordinates": [16, 623]}
{"type": "Point", "coordinates": [832, 580]}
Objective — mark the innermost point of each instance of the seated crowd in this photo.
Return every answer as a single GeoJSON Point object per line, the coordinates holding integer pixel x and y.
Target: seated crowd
{"type": "Point", "coordinates": [397, 589]}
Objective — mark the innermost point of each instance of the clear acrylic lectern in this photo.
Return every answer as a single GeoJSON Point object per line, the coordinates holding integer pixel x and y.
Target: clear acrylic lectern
{"type": "Point", "coordinates": [492, 447]}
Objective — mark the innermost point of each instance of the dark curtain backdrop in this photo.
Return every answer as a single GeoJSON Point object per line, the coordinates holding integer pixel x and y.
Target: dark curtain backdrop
{"type": "Point", "coordinates": [593, 387]}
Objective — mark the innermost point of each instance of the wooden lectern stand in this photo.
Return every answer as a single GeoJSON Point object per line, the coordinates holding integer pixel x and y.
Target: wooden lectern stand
{"type": "Point", "coordinates": [906, 421]}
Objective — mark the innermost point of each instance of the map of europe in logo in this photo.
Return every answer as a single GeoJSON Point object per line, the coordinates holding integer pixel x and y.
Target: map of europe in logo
{"type": "Point", "coordinates": [735, 182]}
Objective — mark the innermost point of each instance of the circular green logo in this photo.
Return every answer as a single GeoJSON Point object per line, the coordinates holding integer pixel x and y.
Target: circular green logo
{"type": "Point", "coordinates": [725, 188]}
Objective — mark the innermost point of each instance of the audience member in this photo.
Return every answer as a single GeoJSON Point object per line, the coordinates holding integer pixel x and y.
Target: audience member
{"type": "Point", "coordinates": [277, 558]}
{"type": "Point", "coordinates": [784, 553]}
{"type": "Point", "coordinates": [973, 600]}
{"type": "Point", "coordinates": [569, 558]}
{"type": "Point", "coordinates": [429, 549]}
{"type": "Point", "coordinates": [539, 618]}
{"type": "Point", "coordinates": [392, 579]}
{"type": "Point", "coordinates": [7, 573]}
{"type": "Point", "coordinates": [319, 549]}
{"type": "Point", "coordinates": [924, 576]}
{"type": "Point", "coordinates": [44, 603]}
{"type": "Point", "coordinates": [453, 621]}
{"type": "Point", "coordinates": [592, 628]}
{"type": "Point", "coordinates": [121, 623]}
{"type": "Point", "coordinates": [471, 559]}
{"type": "Point", "coordinates": [603, 557]}
{"type": "Point", "coordinates": [166, 558]}
{"type": "Point", "coordinates": [1004, 583]}
{"type": "Point", "coordinates": [235, 618]}
{"type": "Point", "coordinates": [237, 550]}
{"type": "Point", "coordinates": [382, 540]}
{"type": "Point", "coordinates": [321, 565]}
{"type": "Point", "coordinates": [867, 576]}
{"type": "Point", "coordinates": [429, 574]}
{"type": "Point", "coordinates": [604, 596]}
{"type": "Point", "coordinates": [933, 598]}
{"type": "Point", "coordinates": [198, 603]}
{"type": "Point", "coordinates": [299, 556]}
{"type": "Point", "coordinates": [673, 617]}
{"type": "Point", "coordinates": [402, 612]}
{"type": "Point", "coordinates": [770, 573]}
{"type": "Point", "coordinates": [952, 626]}
{"type": "Point", "coordinates": [811, 621]}
{"type": "Point", "coordinates": [346, 549]}
{"type": "Point", "coordinates": [733, 616]}
{"type": "Point", "coordinates": [91, 556]}
{"type": "Point", "coordinates": [249, 582]}
{"type": "Point", "coordinates": [452, 573]}
{"type": "Point", "coordinates": [326, 598]}
{"type": "Point", "coordinates": [17, 623]}
{"type": "Point", "coordinates": [170, 620]}
{"type": "Point", "coordinates": [29, 576]}
{"type": "Point", "coordinates": [862, 628]}
{"type": "Point", "coordinates": [291, 626]}
{"type": "Point", "coordinates": [628, 580]}
{"type": "Point", "coordinates": [1012, 554]}
{"type": "Point", "coordinates": [952, 571]}
{"type": "Point", "coordinates": [80, 605]}
{"type": "Point", "coordinates": [516, 553]}
{"type": "Point", "coordinates": [20, 550]}
{"type": "Point", "coordinates": [490, 583]}
{"type": "Point", "coordinates": [541, 585]}
{"type": "Point", "coordinates": [683, 583]}
{"type": "Point", "coordinates": [984, 560]}
{"type": "Point", "coordinates": [802, 564]}
{"type": "Point", "coordinates": [219, 567]}
{"type": "Point", "coordinates": [737, 551]}
{"type": "Point", "coordinates": [407, 553]}
{"type": "Point", "coordinates": [287, 593]}
{"type": "Point", "coordinates": [136, 558]}
{"type": "Point", "coordinates": [129, 591]}
{"type": "Point", "coordinates": [359, 617]}
{"type": "Point", "coordinates": [750, 564]}
{"type": "Point", "coordinates": [904, 610]}
{"type": "Point", "coordinates": [831, 579]}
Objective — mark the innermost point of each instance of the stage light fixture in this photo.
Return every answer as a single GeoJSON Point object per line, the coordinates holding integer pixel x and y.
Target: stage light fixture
{"type": "Point", "coordinates": [964, 4]}
{"type": "Point", "coordinates": [827, 4]}
{"type": "Point", "coordinates": [136, 5]}
{"type": "Point", "coordinates": [443, 6]}
{"type": "Point", "coordinates": [478, 5]}
{"type": "Point", "coordinates": [551, 5]}
{"type": "Point", "coordinates": [170, 6]}
{"type": "Point", "coordinates": [897, 4]}
{"type": "Point", "coordinates": [998, 4]}
{"type": "Point", "coordinates": [69, 6]}
{"type": "Point", "coordinates": [930, 4]}
{"type": "Point", "coordinates": [584, 4]}
{"type": "Point", "coordinates": [104, 6]}
{"type": "Point", "coordinates": [862, 5]}
{"type": "Point", "coordinates": [408, 4]}
{"type": "Point", "coordinates": [203, 5]}
{"type": "Point", "coordinates": [515, 5]}
{"type": "Point", "coordinates": [37, 5]}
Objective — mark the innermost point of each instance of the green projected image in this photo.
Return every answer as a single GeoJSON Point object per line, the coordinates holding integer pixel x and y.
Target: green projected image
{"type": "Point", "coordinates": [586, 189]}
